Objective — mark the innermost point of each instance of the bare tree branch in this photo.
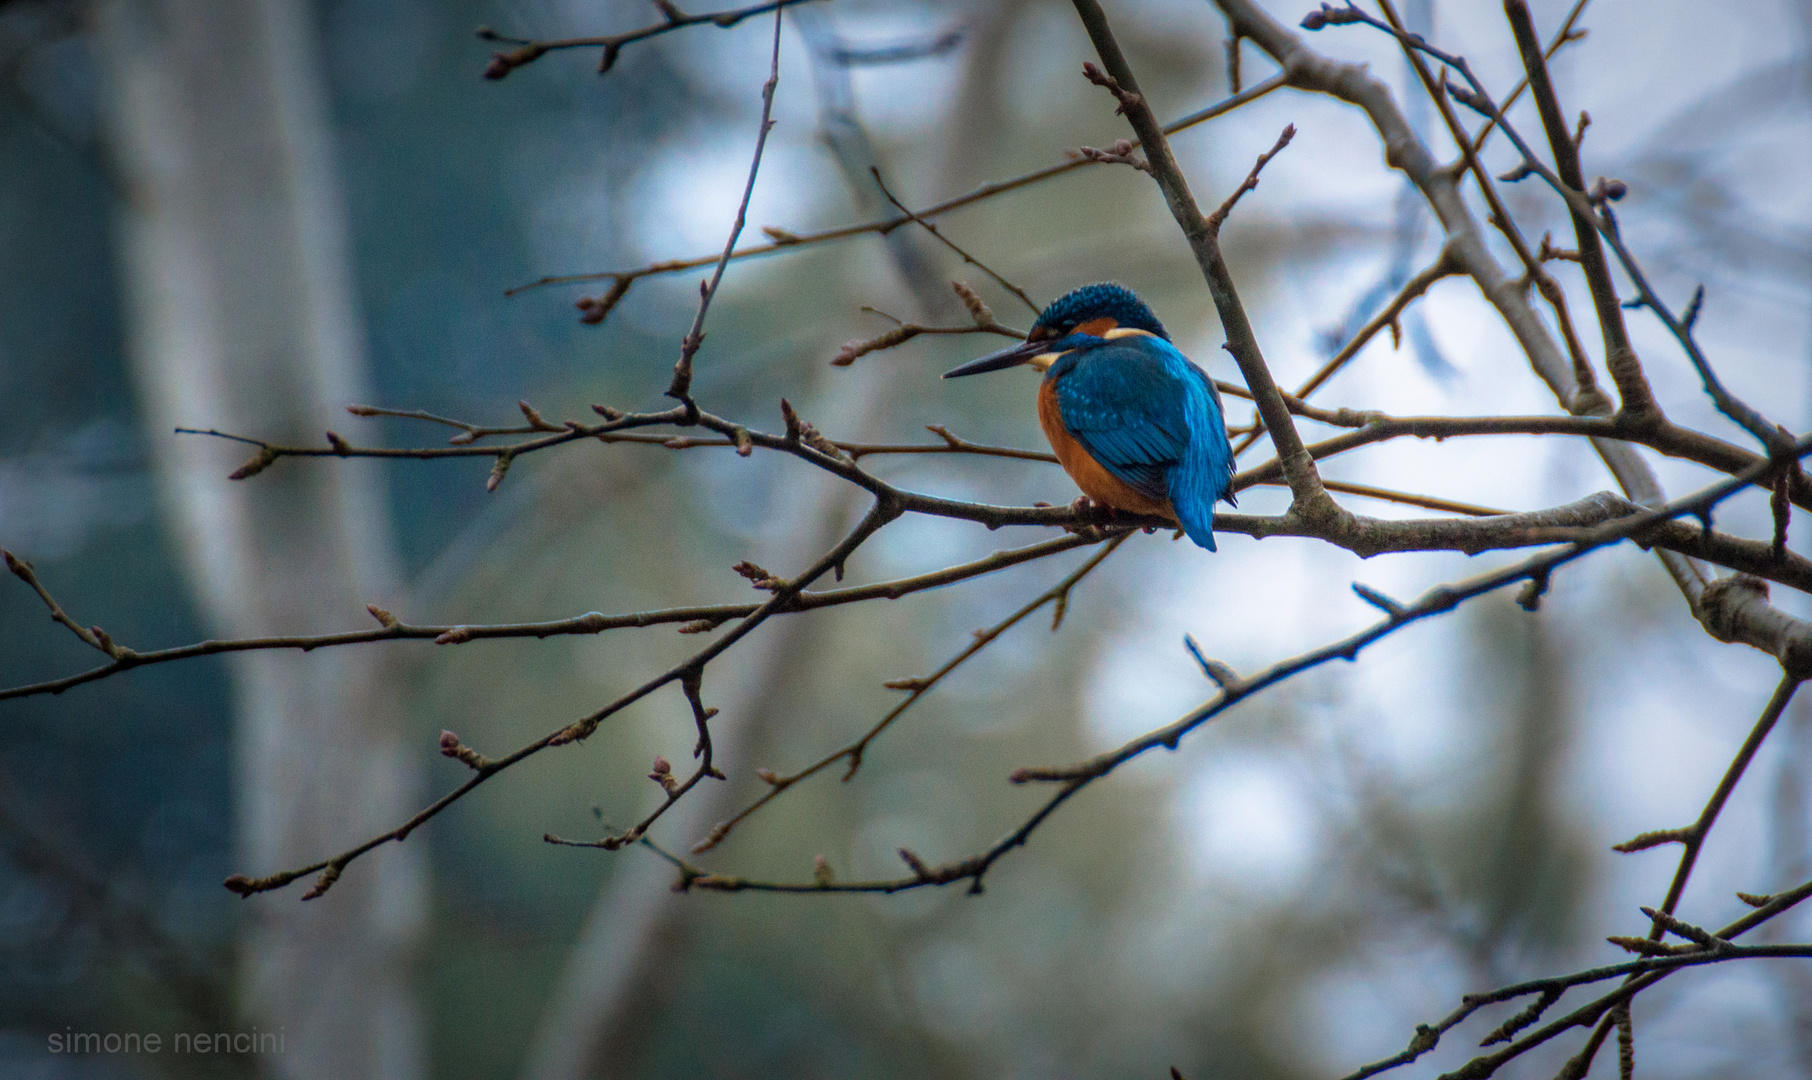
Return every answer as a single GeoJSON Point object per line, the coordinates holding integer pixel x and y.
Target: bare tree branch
{"type": "Point", "coordinates": [528, 51]}
{"type": "Point", "coordinates": [1234, 688]}
{"type": "Point", "coordinates": [596, 309]}
{"type": "Point", "coordinates": [1309, 500]}
{"type": "Point", "coordinates": [1619, 355]}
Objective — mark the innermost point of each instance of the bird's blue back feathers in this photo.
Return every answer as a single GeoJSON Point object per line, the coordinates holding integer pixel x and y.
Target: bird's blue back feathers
{"type": "Point", "coordinates": [1151, 418]}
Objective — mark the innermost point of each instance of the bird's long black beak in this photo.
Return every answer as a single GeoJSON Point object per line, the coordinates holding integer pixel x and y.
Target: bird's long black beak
{"type": "Point", "coordinates": [1011, 356]}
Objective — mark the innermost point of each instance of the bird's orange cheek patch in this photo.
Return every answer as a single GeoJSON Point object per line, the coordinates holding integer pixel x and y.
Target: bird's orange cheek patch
{"type": "Point", "coordinates": [1097, 327]}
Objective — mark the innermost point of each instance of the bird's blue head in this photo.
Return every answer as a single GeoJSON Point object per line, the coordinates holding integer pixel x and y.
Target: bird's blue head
{"type": "Point", "coordinates": [1094, 310]}
{"type": "Point", "coordinates": [1074, 318]}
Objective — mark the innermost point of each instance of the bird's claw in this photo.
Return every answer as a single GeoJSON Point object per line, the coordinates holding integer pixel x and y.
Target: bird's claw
{"type": "Point", "coordinates": [1085, 508]}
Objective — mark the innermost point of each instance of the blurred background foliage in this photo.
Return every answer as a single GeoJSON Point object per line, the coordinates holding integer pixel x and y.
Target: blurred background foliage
{"type": "Point", "coordinates": [1285, 896]}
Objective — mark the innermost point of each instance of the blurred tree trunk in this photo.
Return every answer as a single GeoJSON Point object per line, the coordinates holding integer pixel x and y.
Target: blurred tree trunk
{"type": "Point", "coordinates": [241, 317]}
{"type": "Point", "coordinates": [589, 1024]}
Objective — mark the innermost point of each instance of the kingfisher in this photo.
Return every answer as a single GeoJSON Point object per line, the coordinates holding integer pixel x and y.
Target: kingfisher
{"type": "Point", "coordinates": [1133, 421]}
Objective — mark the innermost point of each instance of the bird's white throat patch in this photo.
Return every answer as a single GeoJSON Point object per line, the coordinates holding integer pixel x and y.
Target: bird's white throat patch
{"type": "Point", "coordinates": [1043, 361]}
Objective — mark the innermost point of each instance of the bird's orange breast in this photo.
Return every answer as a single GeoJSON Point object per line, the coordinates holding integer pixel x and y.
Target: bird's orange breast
{"type": "Point", "coordinates": [1090, 475]}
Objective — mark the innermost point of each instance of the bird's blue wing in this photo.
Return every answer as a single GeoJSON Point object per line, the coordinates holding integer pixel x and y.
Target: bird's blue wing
{"type": "Point", "coordinates": [1152, 419]}
{"type": "Point", "coordinates": [1124, 401]}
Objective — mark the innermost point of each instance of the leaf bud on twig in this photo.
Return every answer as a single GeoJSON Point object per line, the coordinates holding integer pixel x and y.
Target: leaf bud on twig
{"type": "Point", "coordinates": [758, 577]}
{"type": "Point", "coordinates": [535, 419]}
{"type": "Point", "coordinates": [450, 746]}
{"type": "Point", "coordinates": [254, 466]}
{"type": "Point", "coordinates": [978, 309]}
{"type": "Point", "coordinates": [1328, 15]}
{"type": "Point", "coordinates": [1112, 85]}
{"type": "Point", "coordinates": [1467, 98]}
{"type": "Point", "coordinates": [1656, 838]}
{"type": "Point", "coordinates": [503, 63]}
{"type": "Point", "coordinates": [887, 339]}
{"type": "Point", "coordinates": [1608, 189]}
{"type": "Point", "coordinates": [713, 838]}
{"type": "Point", "coordinates": [1641, 946]}
{"type": "Point", "coordinates": [324, 882]}
{"type": "Point", "coordinates": [497, 472]}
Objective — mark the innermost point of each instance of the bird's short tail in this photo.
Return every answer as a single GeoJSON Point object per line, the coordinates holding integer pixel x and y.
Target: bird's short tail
{"type": "Point", "coordinates": [1196, 483]}
{"type": "Point", "coordinates": [1196, 515]}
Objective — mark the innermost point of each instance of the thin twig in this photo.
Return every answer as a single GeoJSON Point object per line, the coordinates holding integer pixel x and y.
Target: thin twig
{"type": "Point", "coordinates": [1426, 502]}
{"type": "Point", "coordinates": [1444, 266]}
{"type": "Point", "coordinates": [1694, 835]}
{"type": "Point", "coordinates": [1644, 971]}
{"type": "Point", "coordinates": [691, 619]}
{"type": "Point", "coordinates": [1219, 217]}
{"type": "Point", "coordinates": [1586, 398]}
{"type": "Point", "coordinates": [330, 869]}
{"type": "Point", "coordinates": [691, 685]}
{"type": "Point", "coordinates": [902, 332]}
{"type": "Point", "coordinates": [1593, 208]}
{"type": "Point", "coordinates": [93, 637]}
{"type": "Point", "coordinates": [1693, 839]}
{"type": "Point", "coordinates": [528, 50]}
{"type": "Point", "coordinates": [1619, 354]}
{"type": "Point", "coordinates": [951, 244]}
{"type": "Point", "coordinates": [917, 688]}
{"type": "Point", "coordinates": [681, 388]}
{"type": "Point", "coordinates": [467, 432]}
{"type": "Point", "coordinates": [781, 240]}
{"type": "Point", "coordinates": [1428, 1035]}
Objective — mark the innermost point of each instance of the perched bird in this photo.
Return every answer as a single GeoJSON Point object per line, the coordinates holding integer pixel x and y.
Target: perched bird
{"type": "Point", "coordinates": [1133, 421]}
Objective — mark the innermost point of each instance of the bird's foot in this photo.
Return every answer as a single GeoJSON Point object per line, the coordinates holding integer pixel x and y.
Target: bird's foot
{"type": "Point", "coordinates": [1085, 508]}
